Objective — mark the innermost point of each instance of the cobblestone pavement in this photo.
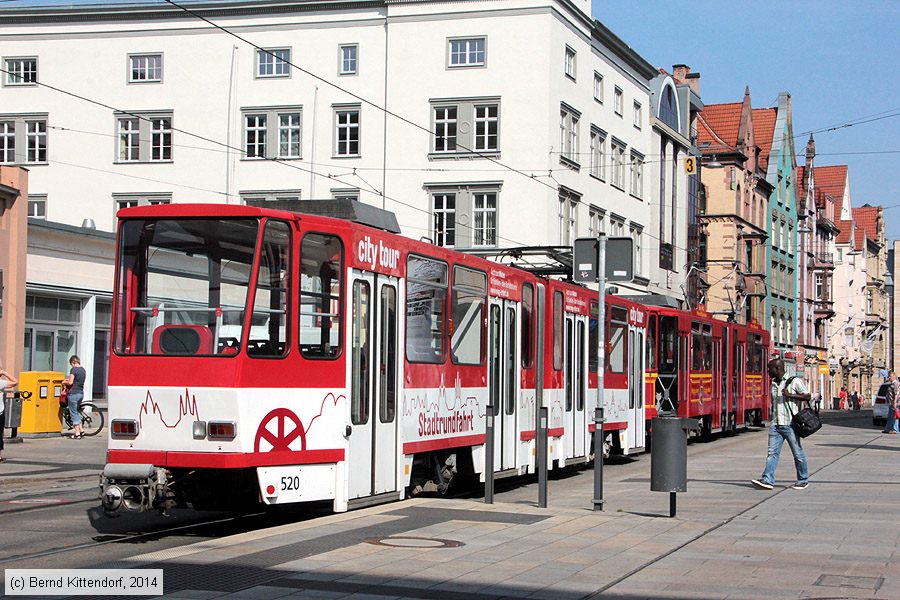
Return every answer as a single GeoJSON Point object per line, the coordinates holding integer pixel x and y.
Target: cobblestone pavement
{"type": "Point", "coordinates": [836, 539]}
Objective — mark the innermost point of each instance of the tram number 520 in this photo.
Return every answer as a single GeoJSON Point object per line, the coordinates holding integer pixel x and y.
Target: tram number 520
{"type": "Point", "coordinates": [290, 483]}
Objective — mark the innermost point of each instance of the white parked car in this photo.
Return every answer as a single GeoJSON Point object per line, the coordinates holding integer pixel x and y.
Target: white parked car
{"type": "Point", "coordinates": [880, 406]}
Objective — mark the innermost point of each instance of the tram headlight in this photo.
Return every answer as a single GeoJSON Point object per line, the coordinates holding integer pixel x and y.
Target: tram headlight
{"type": "Point", "coordinates": [112, 498]}
{"type": "Point", "coordinates": [133, 497]}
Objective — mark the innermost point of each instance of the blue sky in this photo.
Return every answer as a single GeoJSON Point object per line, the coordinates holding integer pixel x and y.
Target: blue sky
{"type": "Point", "coordinates": [837, 59]}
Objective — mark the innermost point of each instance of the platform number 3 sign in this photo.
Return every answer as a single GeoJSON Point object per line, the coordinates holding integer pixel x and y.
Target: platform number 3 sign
{"type": "Point", "coordinates": [690, 165]}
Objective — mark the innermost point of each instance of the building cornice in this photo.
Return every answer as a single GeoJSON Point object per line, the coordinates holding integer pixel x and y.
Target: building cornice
{"type": "Point", "coordinates": [623, 51]}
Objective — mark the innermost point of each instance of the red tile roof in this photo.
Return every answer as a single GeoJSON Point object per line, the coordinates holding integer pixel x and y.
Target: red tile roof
{"type": "Point", "coordinates": [763, 132]}
{"type": "Point", "coordinates": [832, 181]}
{"type": "Point", "coordinates": [846, 227]}
{"type": "Point", "coordinates": [866, 219]}
{"type": "Point", "coordinates": [718, 125]}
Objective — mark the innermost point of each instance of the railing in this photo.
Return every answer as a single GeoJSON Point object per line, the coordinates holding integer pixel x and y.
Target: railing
{"type": "Point", "coordinates": [825, 257]}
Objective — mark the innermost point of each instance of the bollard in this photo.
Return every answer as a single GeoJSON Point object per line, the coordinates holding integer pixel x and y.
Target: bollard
{"type": "Point", "coordinates": [668, 456]}
{"type": "Point", "coordinates": [541, 458]}
{"type": "Point", "coordinates": [598, 458]}
{"type": "Point", "coordinates": [489, 456]}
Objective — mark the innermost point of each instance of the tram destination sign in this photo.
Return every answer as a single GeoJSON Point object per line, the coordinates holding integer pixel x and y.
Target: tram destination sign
{"type": "Point", "coordinates": [619, 260]}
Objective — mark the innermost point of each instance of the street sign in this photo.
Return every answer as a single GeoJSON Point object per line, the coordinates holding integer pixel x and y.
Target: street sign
{"type": "Point", "coordinates": [690, 165]}
{"type": "Point", "coordinates": [619, 260]}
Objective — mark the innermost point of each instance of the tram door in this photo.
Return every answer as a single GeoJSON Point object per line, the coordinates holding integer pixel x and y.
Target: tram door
{"type": "Point", "coordinates": [575, 369]}
{"type": "Point", "coordinates": [374, 376]}
{"type": "Point", "coordinates": [637, 416]}
{"type": "Point", "coordinates": [504, 380]}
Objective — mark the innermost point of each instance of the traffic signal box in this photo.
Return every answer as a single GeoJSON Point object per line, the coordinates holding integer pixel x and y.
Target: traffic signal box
{"type": "Point", "coordinates": [41, 412]}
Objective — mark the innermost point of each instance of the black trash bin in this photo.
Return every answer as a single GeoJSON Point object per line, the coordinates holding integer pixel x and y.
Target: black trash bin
{"type": "Point", "coordinates": [668, 455]}
{"type": "Point", "coordinates": [835, 403]}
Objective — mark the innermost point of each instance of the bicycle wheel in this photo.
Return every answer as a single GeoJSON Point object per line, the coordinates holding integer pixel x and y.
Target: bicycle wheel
{"type": "Point", "coordinates": [91, 419]}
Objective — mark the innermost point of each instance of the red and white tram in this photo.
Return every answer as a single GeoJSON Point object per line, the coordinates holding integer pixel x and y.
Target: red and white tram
{"type": "Point", "coordinates": [265, 356]}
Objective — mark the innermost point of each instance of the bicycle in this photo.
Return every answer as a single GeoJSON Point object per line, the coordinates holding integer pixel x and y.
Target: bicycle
{"type": "Point", "coordinates": [91, 418]}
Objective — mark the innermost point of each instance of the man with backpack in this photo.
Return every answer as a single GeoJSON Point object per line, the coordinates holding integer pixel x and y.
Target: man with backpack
{"type": "Point", "coordinates": [787, 396]}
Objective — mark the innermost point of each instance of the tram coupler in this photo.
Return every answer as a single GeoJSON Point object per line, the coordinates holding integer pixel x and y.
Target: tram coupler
{"type": "Point", "coordinates": [134, 487]}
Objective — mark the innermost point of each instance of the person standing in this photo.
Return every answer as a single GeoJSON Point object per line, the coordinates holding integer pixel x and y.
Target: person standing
{"type": "Point", "coordinates": [6, 381]}
{"type": "Point", "coordinates": [787, 396]}
{"type": "Point", "coordinates": [891, 424]}
{"type": "Point", "coordinates": [843, 397]}
{"type": "Point", "coordinates": [75, 381]}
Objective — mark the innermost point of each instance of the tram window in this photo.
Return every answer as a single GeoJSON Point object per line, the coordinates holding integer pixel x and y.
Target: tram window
{"type": "Point", "coordinates": [593, 338]}
{"type": "Point", "coordinates": [269, 323]}
{"type": "Point", "coordinates": [668, 345]}
{"type": "Point", "coordinates": [579, 389]}
{"type": "Point", "coordinates": [388, 353]}
{"type": "Point", "coordinates": [361, 348]}
{"type": "Point", "coordinates": [754, 353]}
{"type": "Point", "coordinates": [570, 364]}
{"type": "Point", "coordinates": [724, 365]}
{"type": "Point", "coordinates": [651, 345]}
{"type": "Point", "coordinates": [467, 316]}
{"type": "Point", "coordinates": [321, 265]}
{"type": "Point", "coordinates": [707, 347]}
{"type": "Point", "coordinates": [510, 360]}
{"type": "Point", "coordinates": [183, 285]}
{"type": "Point", "coordinates": [426, 300]}
{"type": "Point", "coordinates": [696, 348]}
{"type": "Point", "coordinates": [527, 331]}
{"type": "Point", "coordinates": [617, 344]}
{"type": "Point", "coordinates": [557, 331]}
{"type": "Point", "coordinates": [494, 362]}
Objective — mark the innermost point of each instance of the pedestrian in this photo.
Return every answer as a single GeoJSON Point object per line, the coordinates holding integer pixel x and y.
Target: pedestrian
{"type": "Point", "coordinates": [6, 381]}
{"type": "Point", "coordinates": [854, 398]}
{"type": "Point", "coordinates": [787, 396]}
{"type": "Point", "coordinates": [843, 396]}
{"type": "Point", "coordinates": [891, 423]}
{"type": "Point", "coordinates": [75, 382]}
{"type": "Point", "coordinates": [817, 400]}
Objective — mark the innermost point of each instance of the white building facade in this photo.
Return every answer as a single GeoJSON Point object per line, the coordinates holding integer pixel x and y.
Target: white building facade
{"type": "Point", "coordinates": [490, 123]}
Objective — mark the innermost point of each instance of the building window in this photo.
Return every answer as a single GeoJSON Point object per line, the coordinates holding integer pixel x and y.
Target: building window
{"type": "Point", "coordinates": [568, 133]}
{"type": "Point", "coordinates": [23, 139]}
{"type": "Point", "coordinates": [37, 206]}
{"type": "Point", "coordinates": [349, 53]}
{"type": "Point", "coordinates": [444, 219]}
{"type": "Point", "coordinates": [638, 114]}
{"type": "Point", "coordinates": [273, 62]}
{"type": "Point", "coordinates": [161, 139]}
{"type": "Point", "coordinates": [570, 63]}
{"type": "Point", "coordinates": [617, 150]}
{"type": "Point", "coordinates": [144, 137]}
{"type": "Point", "coordinates": [130, 200]}
{"type": "Point", "coordinates": [145, 68]}
{"type": "Point", "coordinates": [346, 195]}
{"type": "Point", "coordinates": [263, 198]}
{"type": "Point", "coordinates": [598, 153]}
{"type": "Point", "coordinates": [568, 216]}
{"type": "Point", "coordinates": [466, 126]}
{"type": "Point", "coordinates": [637, 174]}
{"type": "Point", "coordinates": [597, 224]}
{"type": "Point", "coordinates": [637, 234]}
{"type": "Point", "coordinates": [273, 132]}
{"type": "Point", "coordinates": [21, 71]}
{"type": "Point", "coordinates": [617, 225]}
{"type": "Point", "coordinates": [445, 128]}
{"type": "Point", "coordinates": [346, 132]}
{"type": "Point", "coordinates": [618, 101]}
{"type": "Point", "coordinates": [598, 87]}
{"type": "Point", "coordinates": [464, 215]}
{"type": "Point", "coordinates": [485, 212]}
{"type": "Point", "coordinates": [466, 52]}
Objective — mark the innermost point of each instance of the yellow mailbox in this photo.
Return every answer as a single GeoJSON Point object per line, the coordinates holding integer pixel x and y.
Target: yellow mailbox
{"type": "Point", "coordinates": [41, 412]}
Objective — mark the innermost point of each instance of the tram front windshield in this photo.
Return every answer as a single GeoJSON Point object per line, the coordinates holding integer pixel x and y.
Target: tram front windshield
{"type": "Point", "coordinates": [183, 285]}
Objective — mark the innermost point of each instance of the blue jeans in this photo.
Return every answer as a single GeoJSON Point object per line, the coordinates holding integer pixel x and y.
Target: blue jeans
{"type": "Point", "coordinates": [74, 400]}
{"type": "Point", "coordinates": [777, 436]}
{"type": "Point", "coordinates": [891, 421]}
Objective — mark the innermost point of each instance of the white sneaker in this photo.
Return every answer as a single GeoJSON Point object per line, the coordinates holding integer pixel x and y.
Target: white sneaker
{"type": "Point", "coordinates": [761, 484]}
{"type": "Point", "coordinates": [800, 485]}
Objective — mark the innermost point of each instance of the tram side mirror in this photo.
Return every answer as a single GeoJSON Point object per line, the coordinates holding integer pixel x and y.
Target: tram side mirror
{"type": "Point", "coordinates": [348, 431]}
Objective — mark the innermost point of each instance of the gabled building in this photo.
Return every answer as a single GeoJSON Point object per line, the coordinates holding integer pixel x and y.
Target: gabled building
{"type": "Point", "coordinates": [815, 268]}
{"type": "Point", "coordinates": [775, 136]}
{"type": "Point", "coordinates": [737, 195]}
